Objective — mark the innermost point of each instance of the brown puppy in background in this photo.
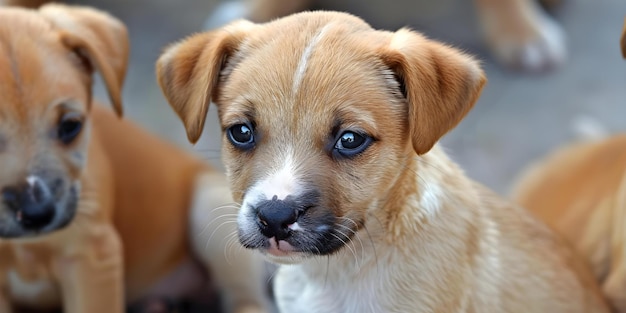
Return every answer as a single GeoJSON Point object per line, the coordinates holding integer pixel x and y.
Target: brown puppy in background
{"type": "Point", "coordinates": [94, 211]}
{"type": "Point", "coordinates": [580, 190]}
{"type": "Point", "coordinates": [330, 132]}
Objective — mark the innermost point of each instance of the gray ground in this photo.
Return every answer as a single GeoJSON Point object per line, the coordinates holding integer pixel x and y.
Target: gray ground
{"type": "Point", "coordinates": [518, 117]}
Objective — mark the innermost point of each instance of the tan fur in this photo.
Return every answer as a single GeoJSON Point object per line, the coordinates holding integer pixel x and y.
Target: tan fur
{"type": "Point", "coordinates": [580, 190]}
{"type": "Point", "coordinates": [129, 238]}
{"type": "Point", "coordinates": [395, 228]}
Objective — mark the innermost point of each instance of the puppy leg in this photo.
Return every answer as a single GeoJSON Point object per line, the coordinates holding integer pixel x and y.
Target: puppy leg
{"type": "Point", "coordinates": [521, 35]}
{"type": "Point", "coordinates": [91, 278]}
{"type": "Point", "coordinates": [614, 286]}
{"type": "Point", "coordinates": [239, 273]}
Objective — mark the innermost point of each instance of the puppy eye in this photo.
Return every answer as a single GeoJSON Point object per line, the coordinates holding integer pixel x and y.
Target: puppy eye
{"type": "Point", "coordinates": [69, 128]}
{"type": "Point", "coordinates": [350, 143]}
{"type": "Point", "coordinates": [241, 136]}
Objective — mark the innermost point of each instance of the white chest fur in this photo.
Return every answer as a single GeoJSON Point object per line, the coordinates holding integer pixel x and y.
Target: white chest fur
{"type": "Point", "coordinates": [297, 293]}
{"type": "Point", "coordinates": [338, 284]}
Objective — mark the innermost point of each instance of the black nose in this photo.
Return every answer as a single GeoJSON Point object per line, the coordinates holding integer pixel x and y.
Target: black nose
{"type": "Point", "coordinates": [32, 203]}
{"type": "Point", "coordinates": [274, 218]}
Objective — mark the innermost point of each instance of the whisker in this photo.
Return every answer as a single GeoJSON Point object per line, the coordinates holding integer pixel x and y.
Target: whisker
{"type": "Point", "coordinates": [356, 260]}
{"type": "Point", "coordinates": [350, 241]}
{"type": "Point", "coordinates": [230, 245]}
{"type": "Point", "coordinates": [215, 230]}
{"type": "Point", "coordinates": [373, 246]}
{"type": "Point", "coordinates": [353, 232]}
{"type": "Point", "coordinates": [230, 216]}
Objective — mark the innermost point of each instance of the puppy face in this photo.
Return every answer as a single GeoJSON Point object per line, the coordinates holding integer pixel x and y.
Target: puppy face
{"type": "Point", "coordinates": [45, 99]}
{"type": "Point", "coordinates": [320, 115]}
{"type": "Point", "coordinates": [310, 163]}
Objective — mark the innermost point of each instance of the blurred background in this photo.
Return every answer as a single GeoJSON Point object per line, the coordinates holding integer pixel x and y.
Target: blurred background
{"type": "Point", "coordinates": [519, 117]}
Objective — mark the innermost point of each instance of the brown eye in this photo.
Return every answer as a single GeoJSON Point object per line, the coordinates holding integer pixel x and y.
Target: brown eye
{"type": "Point", "coordinates": [69, 128]}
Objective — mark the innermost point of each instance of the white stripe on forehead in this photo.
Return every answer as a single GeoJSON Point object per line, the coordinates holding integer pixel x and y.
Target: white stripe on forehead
{"type": "Point", "coordinates": [302, 65]}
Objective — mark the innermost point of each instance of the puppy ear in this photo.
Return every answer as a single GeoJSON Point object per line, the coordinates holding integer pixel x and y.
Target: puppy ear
{"type": "Point", "coordinates": [99, 38]}
{"type": "Point", "coordinates": [440, 84]}
{"type": "Point", "coordinates": [188, 72]}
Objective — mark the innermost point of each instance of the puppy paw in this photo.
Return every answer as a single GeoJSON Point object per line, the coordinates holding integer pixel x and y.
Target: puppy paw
{"type": "Point", "coordinates": [531, 42]}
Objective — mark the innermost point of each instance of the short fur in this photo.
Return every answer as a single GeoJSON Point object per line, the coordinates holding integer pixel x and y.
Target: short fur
{"type": "Point", "coordinates": [122, 197]}
{"type": "Point", "coordinates": [394, 227]}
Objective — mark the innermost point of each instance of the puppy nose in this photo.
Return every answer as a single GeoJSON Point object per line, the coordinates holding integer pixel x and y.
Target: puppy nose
{"type": "Point", "coordinates": [274, 218]}
{"type": "Point", "coordinates": [32, 203]}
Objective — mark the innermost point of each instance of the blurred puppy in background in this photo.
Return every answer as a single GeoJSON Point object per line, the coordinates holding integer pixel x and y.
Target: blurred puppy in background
{"type": "Point", "coordinates": [580, 190]}
{"type": "Point", "coordinates": [94, 211]}
{"type": "Point", "coordinates": [520, 34]}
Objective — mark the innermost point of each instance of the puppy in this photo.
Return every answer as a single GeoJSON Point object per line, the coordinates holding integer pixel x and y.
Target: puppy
{"type": "Point", "coordinates": [519, 33]}
{"type": "Point", "coordinates": [580, 190]}
{"type": "Point", "coordinates": [330, 132]}
{"type": "Point", "coordinates": [94, 211]}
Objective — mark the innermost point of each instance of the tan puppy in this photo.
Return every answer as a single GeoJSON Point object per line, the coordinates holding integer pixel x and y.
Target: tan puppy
{"type": "Point", "coordinates": [330, 132]}
{"type": "Point", "coordinates": [519, 33]}
{"type": "Point", "coordinates": [580, 190]}
{"type": "Point", "coordinates": [94, 211]}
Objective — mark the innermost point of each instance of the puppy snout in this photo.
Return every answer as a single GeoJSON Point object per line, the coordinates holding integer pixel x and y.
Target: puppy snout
{"type": "Point", "coordinates": [275, 216]}
{"type": "Point", "coordinates": [33, 204]}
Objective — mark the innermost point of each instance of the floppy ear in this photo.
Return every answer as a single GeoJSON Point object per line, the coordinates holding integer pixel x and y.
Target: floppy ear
{"type": "Point", "coordinates": [99, 38]}
{"type": "Point", "coordinates": [440, 84]}
{"type": "Point", "coordinates": [188, 72]}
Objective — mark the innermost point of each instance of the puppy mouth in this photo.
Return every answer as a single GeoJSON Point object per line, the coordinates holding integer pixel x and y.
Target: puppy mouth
{"type": "Point", "coordinates": [306, 238]}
